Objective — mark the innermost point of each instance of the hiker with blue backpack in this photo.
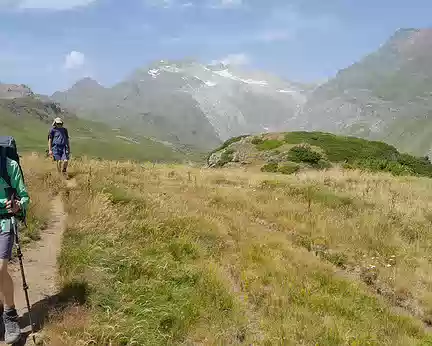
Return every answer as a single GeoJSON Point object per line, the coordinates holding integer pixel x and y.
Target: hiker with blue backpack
{"type": "Point", "coordinates": [14, 200]}
{"type": "Point", "coordinates": [59, 145]}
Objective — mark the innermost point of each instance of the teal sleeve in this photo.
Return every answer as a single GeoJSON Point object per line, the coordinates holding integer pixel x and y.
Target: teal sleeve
{"type": "Point", "coordinates": [17, 182]}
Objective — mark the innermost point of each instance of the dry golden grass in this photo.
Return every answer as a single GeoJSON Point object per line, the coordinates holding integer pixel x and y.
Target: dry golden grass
{"type": "Point", "coordinates": [42, 184]}
{"type": "Point", "coordinates": [189, 256]}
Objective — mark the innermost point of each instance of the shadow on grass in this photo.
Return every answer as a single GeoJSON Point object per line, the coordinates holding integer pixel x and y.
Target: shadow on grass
{"type": "Point", "coordinates": [41, 311]}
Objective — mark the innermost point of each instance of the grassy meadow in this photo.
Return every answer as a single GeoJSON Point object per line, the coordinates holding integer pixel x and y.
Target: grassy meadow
{"type": "Point", "coordinates": [170, 254]}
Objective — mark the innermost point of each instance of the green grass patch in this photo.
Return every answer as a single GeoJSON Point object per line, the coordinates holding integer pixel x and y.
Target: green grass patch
{"type": "Point", "coordinates": [269, 144]}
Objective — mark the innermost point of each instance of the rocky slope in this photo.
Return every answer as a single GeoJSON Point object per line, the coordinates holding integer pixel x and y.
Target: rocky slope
{"type": "Point", "coordinates": [19, 100]}
{"type": "Point", "coordinates": [387, 95]}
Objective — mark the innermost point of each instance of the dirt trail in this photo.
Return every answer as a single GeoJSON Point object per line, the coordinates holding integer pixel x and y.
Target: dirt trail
{"type": "Point", "coordinates": [40, 263]}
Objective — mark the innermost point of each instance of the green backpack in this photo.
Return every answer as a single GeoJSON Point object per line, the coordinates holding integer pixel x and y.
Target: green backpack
{"type": "Point", "coordinates": [8, 149]}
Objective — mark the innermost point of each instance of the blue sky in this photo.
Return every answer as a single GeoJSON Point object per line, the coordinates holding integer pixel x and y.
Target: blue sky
{"type": "Point", "coordinates": [49, 44]}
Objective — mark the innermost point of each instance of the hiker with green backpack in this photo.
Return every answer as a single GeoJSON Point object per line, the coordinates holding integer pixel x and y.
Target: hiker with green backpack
{"type": "Point", "coordinates": [14, 200]}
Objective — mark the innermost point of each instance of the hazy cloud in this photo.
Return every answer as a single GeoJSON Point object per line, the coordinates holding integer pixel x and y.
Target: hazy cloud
{"type": "Point", "coordinates": [74, 60]}
{"type": "Point", "coordinates": [236, 59]}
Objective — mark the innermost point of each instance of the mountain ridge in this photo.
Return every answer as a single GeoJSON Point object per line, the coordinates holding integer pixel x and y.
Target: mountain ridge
{"type": "Point", "coordinates": [226, 100]}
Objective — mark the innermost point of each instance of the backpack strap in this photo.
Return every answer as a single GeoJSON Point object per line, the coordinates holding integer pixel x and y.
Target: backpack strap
{"type": "Point", "coordinates": [3, 171]}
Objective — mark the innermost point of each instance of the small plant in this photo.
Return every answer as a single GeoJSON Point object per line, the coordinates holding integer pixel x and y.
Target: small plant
{"type": "Point", "coordinates": [256, 140]}
{"type": "Point", "coordinates": [226, 157]}
{"type": "Point", "coordinates": [303, 153]}
{"type": "Point", "coordinates": [339, 259]}
{"type": "Point", "coordinates": [270, 167]}
{"type": "Point", "coordinates": [289, 169]}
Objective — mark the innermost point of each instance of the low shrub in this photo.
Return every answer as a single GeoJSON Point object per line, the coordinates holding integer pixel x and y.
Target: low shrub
{"type": "Point", "coordinates": [270, 167]}
{"type": "Point", "coordinates": [303, 153]}
{"type": "Point", "coordinates": [289, 168]}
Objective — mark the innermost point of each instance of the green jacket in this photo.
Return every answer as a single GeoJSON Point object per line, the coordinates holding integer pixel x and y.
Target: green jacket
{"type": "Point", "coordinates": [17, 183]}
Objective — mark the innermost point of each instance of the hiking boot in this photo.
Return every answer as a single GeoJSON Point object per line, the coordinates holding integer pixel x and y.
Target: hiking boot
{"type": "Point", "coordinates": [12, 328]}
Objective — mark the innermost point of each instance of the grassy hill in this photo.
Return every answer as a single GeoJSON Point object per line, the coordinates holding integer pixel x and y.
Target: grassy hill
{"type": "Point", "coordinates": [29, 120]}
{"type": "Point", "coordinates": [169, 254]}
{"type": "Point", "coordinates": [294, 151]}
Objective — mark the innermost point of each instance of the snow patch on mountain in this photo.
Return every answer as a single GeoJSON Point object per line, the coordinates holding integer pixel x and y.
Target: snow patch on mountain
{"type": "Point", "coordinates": [228, 74]}
{"type": "Point", "coordinates": [154, 72]}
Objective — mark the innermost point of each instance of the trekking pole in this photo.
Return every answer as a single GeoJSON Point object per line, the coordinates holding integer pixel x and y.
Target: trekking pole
{"type": "Point", "coordinates": [20, 256]}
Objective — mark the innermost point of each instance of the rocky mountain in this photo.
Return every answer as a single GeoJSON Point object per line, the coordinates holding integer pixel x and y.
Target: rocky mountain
{"type": "Point", "coordinates": [387, 95]}
{"type": "Point", "coordinates": [190, 103]}
{"type": "Point", "coordinates": [11, 91]}
{"type": "Point", "coordinates": [20, 101]}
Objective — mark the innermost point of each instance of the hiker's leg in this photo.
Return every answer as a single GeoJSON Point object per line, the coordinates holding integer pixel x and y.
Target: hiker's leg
{"type": "Point", "coordinates": [65, 159]}
{"type": "Point", "coordinates": [6, 285]}
{"type": "Point", "coordinates": [10, 315]}
{"type": "Point", "coordinates": [57, 155]}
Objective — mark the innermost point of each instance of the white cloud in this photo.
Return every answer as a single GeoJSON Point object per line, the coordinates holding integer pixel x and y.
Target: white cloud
{"type": "Point", "coordinates": [74, 60]}
{"type": "Point", "coordinates": [53, 4]}
{"type": "Point", "coordinates": [236, 59]}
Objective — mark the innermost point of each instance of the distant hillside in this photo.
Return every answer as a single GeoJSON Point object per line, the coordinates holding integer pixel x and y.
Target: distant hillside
{"type": "Point", "coordinates": [28, 118]}
{"type": "Point", "coordinates": [386, 96]}
{"type": "Point", "coordinates": [294, 151]}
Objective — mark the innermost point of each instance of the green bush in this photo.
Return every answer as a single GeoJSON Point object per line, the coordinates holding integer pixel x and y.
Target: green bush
{"type": "Point", "coordinates": [375, 165]}
{"type": "Point", "coordinates": [269, 144]}
{"type": "Point", "coordinates": [343, 149]}
{"type": "Point", "coordinates": [270, 167]}
{"type": "Point", "coordinates": [256, 140]}
{"type": "Point", "coordinates": [302, 153]}
{"type": "Point", "coordinates": [419, 165]}
{"type": "Point", "coordinates": [289, 169]}
{"type": "Point", "coordinates": [226, 157]}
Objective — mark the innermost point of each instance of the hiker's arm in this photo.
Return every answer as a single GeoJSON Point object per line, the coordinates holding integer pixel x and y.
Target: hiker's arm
{"type": "Point", "coordinates": [68, 140]}
{"type": "Point", "coordinates": [50, 137]}
{"type": "Point", "coordinates": [17, 182]}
